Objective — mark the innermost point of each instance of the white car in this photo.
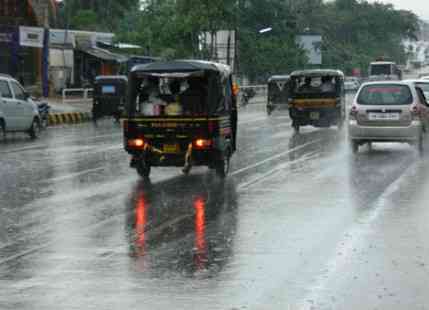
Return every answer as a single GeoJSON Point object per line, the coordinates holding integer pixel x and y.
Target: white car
{"type": "Point", "coordinates": [395, 111]}
{"type": "Point", "coordinates": [18, 112]}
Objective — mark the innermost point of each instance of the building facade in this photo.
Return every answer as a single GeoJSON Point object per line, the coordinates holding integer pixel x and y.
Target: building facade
{"type": "Point", "coordinates": [19, 60]}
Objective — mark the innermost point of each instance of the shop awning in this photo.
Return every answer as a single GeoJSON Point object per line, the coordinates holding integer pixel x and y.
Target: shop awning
{"type": "Point", "coordinates": [103, 54]}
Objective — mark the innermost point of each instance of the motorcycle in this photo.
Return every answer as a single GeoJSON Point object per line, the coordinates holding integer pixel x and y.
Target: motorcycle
{"type": "Point", "coordinates": [248, 93]}
{"type": "Point", "coordinates": [44, 109]}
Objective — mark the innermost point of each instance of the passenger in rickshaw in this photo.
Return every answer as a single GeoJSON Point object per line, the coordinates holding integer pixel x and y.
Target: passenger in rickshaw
{"type": "Point", "coordinates": [327, 85]}
{"type": "Point", "coordinates": [150, 90]}
{"type": "Point", "coordinates": [174, 106]}
{"type": "Point", "coordinates": [306, 87]}
{"type": "Point", "coordinates": [193, 98]}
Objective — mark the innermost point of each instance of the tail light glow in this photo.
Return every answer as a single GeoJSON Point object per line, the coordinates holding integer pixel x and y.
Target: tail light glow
{"type": "Point", "coordinates": [203, 144]}
{"type": "Point", "coordinates": [200, 257]}
{"type": "Point", "coordinates": [136, 143]}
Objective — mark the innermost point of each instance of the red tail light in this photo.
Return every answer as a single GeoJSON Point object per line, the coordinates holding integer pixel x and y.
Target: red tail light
{"type": "Point", "coordinates": [203, 144]}
{"type": "Point", "coordinates": [136, 143]}
{"type": "Point", "coordinates": [415, 112]}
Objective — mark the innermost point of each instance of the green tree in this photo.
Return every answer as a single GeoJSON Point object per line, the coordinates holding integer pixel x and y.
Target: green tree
{"type": "Point", "coordinates": [354, 32]}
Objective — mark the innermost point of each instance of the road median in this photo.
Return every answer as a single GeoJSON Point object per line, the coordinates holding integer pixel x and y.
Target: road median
{"type": "Point", "coordinates": [55, 119]}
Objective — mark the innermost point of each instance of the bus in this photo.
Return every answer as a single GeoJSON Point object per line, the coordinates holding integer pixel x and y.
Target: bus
{"type": "Point", "coordinates": [384, 70]}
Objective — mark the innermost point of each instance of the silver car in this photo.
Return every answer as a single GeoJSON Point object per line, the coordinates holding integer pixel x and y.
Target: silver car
{"type": "Point", "coordinates": [393, 111]}
{"type": "Point", "coordinates": [18, 112]}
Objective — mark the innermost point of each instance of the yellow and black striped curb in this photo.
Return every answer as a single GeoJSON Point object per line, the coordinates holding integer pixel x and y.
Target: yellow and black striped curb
{"type": "Point", "coordinates": [68, 118]}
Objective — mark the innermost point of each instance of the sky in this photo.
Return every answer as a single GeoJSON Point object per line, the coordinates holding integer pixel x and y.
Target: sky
{"type": "Point", "coordinates": [419, 7]}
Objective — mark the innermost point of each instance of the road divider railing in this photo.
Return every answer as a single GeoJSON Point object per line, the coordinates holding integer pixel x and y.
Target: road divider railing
{"type": "Point", "coordinates": [68, 118]}
{"type": "Point", "coordinates": [77, 95]}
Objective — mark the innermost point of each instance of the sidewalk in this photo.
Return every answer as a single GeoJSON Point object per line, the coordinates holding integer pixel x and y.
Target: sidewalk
{"type": "Point", "coordinates": [57, 106]}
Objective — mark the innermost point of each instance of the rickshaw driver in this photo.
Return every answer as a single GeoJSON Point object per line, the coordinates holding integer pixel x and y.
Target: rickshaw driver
{"type": "Point", "coordinates": [306, 87]}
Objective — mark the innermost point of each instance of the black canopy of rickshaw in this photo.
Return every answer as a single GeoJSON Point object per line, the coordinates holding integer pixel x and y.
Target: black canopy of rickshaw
{"type": "Point", "coordinates": [119, 82]}
{"type": "Point", "coordinates": [215, 73]}
{"type": "Point", "coordinates": [184, 66]}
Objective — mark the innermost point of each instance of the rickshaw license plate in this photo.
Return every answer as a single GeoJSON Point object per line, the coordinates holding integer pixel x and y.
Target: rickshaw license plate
{"type": "Point", "coordinates": [314, 115]}
{"type": "Point", "coordinates": [171, 148]}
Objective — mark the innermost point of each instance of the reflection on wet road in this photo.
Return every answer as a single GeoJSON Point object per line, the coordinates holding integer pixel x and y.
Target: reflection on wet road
{"type": "Point", "coordinates": [300, 223]}
{"type": "Point", "coordinates": [198, 215]}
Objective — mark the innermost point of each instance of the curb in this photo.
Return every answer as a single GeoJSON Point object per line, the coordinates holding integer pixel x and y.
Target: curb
{"type": "Point", "coordinates": [68, 118]}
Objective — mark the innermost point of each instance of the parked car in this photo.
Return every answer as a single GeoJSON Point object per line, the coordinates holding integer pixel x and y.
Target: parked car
{"type": "Point", "coordinates": [394, 111]}
{"type": "Point", "coordinates": [18, 112]}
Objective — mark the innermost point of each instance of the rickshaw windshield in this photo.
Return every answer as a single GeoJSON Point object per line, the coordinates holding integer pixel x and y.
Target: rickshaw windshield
{"type": "Point", "coordinates": [106, 86]}
{"type": "Point", "coordinates": [316, 86]}
{"type": "Point", "coordinates": [278, 90]}
{"type": "Point", "coordinates": [170, 95]}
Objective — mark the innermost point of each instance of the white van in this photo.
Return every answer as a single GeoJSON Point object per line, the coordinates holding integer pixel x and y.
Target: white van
{"type": "Point", "coordinates": [18, 112]}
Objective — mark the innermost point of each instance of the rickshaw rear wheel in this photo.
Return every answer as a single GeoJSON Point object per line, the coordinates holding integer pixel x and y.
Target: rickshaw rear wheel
{"type": "Point", "coordinates": [341, 124]}
{"type": "Point", "coordinates": [295, 127]}
{"type": "Point", "coordinates": [143, 169]}
{"type": "Point", "coordinates": [354, 146]}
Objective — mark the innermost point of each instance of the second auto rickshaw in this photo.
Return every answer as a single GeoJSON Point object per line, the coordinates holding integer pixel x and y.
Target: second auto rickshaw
{"type": "Point", "coordinates": [109, 97]}
{"type": "Point", "coordinates": [278, 92]}
{"type": "Point", "coordinates": [181, 113]}
{"type": "Point", "coordinates": [317, 98]}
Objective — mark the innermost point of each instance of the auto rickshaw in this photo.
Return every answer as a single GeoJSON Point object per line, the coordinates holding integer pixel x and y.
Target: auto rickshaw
{"type": "Point", "coordinates": [278, 92]}
{"type": "Point", "coordinates": [317, 99]}
{"type": "Point", "coordinates": [181, 113]}
{"type": "Point", "coordinates": [109, 97]}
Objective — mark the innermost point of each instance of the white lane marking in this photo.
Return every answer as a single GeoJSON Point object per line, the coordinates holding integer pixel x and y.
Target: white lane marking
{"type": "Point", "coordinates": [273, 172]}
{"type": "Point", "coordinates": [273, 157]}
{"type": "Point", "coordinates": [27, 148]}
{"type": "Point", "coordinates": [63, 143]}
{"type": "Point", "coordinates": [346, 246]}
{"type": "Point", "coordinates": [73, 175]}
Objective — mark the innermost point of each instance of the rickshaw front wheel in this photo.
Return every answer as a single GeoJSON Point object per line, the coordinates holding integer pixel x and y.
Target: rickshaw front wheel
{"type": "Point", "coordinates": [143, 169]}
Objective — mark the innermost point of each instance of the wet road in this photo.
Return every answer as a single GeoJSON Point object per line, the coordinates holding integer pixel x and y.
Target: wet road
{"type": "Point", "coordinates": [299, 224]}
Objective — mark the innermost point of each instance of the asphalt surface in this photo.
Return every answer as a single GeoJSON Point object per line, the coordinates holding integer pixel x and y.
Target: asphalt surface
{"type": "Point", "coordinates": [300, 223]}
